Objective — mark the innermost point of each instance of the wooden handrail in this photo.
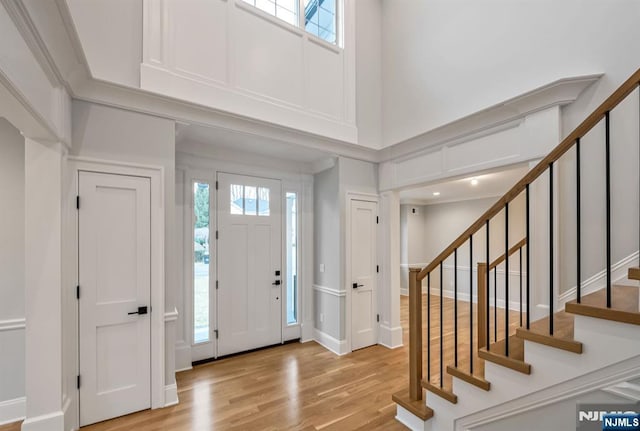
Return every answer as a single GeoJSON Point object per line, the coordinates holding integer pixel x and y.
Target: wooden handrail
{"type": "Point", "coordinates": [512, 250]}
{"type": "Point", "coordinates": [591, 121]}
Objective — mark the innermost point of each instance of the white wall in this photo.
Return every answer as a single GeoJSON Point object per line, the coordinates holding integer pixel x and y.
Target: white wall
{"type": "Point", "coordinates": [369, 72]}
{"type": "Point", "coordinates": [110, 33]}
{"type": "Point", "coordinates": [330, 200]}
{"type": "Point", "coordinates": [233, 57]}
{"type": "Point", "coordinates": [443, 60]}
{"type": "Point", "coordinates": [106, 133]}
{"type": "Point", "coordinates": [327, 256]}
{"type": "Point", "coordinates": [12, 263]}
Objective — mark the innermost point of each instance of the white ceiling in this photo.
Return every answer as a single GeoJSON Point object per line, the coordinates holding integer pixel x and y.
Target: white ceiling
{"type": "Point", "coordinates": [491, 184]}
{"type": "Point", "coordinates": [230, 140]}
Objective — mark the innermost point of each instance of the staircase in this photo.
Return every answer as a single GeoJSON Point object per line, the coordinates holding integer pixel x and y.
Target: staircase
{"type": "Point", "coordinates": [490, 355]}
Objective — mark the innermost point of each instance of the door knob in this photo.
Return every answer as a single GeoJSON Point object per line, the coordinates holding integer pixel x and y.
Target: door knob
{"type": "Point", "coordinates": [276, 283]}
{"type": "Point", "coordinates": [356, 285]}
{"type": "Point", "coordinates": [141, 310]}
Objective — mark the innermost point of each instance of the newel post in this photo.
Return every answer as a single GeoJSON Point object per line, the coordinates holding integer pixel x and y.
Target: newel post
{"type": "Point", "coordinates": [415, 335]}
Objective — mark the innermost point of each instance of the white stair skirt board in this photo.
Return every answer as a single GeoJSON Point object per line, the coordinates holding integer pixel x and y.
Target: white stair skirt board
{"type": "Point", "coordinates": [390, 337]}
{"type": "Point", "coordinates": [611, 355]}
{"type": "Point", "coordinates": [412, 422]}
{"type": "Point", "coordinates": [619, 272]}
{"type": "Point", "coordinates": [339, 347]}
{"type": "Point", "coordinates": [171, 395]}
{"type": "Point", "coordinates": [49, 422]}
{"type": "Point", "coordinates": [13, 410]}
{"type": "Point", "coordinates": [626, 390]}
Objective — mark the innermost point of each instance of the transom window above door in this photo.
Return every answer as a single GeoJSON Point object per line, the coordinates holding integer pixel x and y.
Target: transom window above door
{"type": "Point", "coordinates": [249, 200]}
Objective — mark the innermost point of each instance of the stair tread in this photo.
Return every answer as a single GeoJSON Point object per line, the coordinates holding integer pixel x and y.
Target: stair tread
{"type": "Point", "coordinates": [563, 330]}
{"type": "Point", "coordinates": [446, 391]}
{"type": "Point", "coordinates": [515, 360]}
{"type": "Point", "coordinates": [634, 273]}
{"type": "Point", "coordinates": [416, 407]}
{"type": "Point", "coordinates": [624, 305]}
{"type": "Point", "coordinates": [476, 379]}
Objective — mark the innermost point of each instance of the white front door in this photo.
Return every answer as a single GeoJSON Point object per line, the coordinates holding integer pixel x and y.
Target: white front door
{"type": "Point", "coordinates": [249, 263]}
{"type": "Point", "coordinates": [115, 285]}
{"type": "Point", "coordinates": [364, 326]}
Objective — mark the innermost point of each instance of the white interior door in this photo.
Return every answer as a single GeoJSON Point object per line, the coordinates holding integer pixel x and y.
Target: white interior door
{"type": "Point", "coordinates": [364, 326]}
{"type": "Point", "coordinates": [114, 276]}
{"type": "Point", "coordinates": [249, 263]}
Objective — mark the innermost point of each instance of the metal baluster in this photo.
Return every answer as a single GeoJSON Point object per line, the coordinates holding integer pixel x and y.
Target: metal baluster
{"type": "Point", "coordinates": [578, 227]}
{"type": "Point", "coordinates": [506, 279]}
{"type": "Point", "coordinates": [455, 307]}
{"type": "Point", "coordinates": [441, 321]}
{"type": "Point", "coordinates": [495, 303]}
{"type": "Point", "coordinates": [528, 257]}
{"type": "Point", "coordinates": [487, 293]}
{"type": "Point", "coordinates": [471, 304]}
{"type": "Point", "coordinates": [608, 173]}
{"type": "Point", "coordinates": [550, 248]}
{"type": "Point", "coordinates": [429, 327]}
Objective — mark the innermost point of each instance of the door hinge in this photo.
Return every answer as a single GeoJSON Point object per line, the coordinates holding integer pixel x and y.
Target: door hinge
{"type": "Point", "coordinates": [78, 292]}
{"type": "Point", "coordinates": [377, 317]}
{"type": "Point", "coordinates": [78, 202]}
{"type": "Point", "coordinates": [78, 381]}
{"type": "Point", "coordinates": [217, 235]}
{"type": "Point", "coordinates": [377, 268]}
{"type": "Point", "coordinates": [216, 331]}
{"type": "Point", "coordinates": [377, 219]}
{"type": "Point", "coordinates": [216, 185]}
{"type": "Point", "coordinates": [217, 284]}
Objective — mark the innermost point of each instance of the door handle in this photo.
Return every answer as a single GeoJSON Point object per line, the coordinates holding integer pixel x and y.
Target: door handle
{"type": "Point", "coordinates": [141, 310]}
{"type": "Point", "coordinates": [276, 283]}
{"type": "Point", "coordinates": [356, 285]}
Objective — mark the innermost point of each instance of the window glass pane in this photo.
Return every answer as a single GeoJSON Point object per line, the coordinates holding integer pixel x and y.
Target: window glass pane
{"type": "Point", "coordinates": [320, 19]}
{"type": "Point", "coordinates": [292, 258]}
{"type": "Point", "coordinates": [290, 5]}
{"type": "Point", "coordinates": [237, 201]}
{"type": "Point", "coordinates": [287, 15]}
{"type": "Point", "coordinates": [250, 200]}
{"type": "Point", "coordinates": [266, 5]}
{"type": "Point", "coordinates": [201, 259]}
{"type": "Point", "coordinates": [263, 201]}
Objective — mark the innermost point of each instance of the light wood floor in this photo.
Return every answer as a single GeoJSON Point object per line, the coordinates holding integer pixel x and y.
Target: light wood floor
{"type": "Point", "coordinates": [296, 387]}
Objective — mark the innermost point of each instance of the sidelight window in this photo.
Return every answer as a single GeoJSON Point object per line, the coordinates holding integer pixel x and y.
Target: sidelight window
{"type": "Point", "coordinates": [292, 257]}
{"type": "Point", "coordinates": [201, 259]}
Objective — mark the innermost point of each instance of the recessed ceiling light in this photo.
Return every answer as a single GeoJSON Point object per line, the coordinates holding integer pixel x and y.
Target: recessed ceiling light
{"type": "Point", "coordinates": [436, 193]}
{"type": "Point", "coordinates": [474, 181]}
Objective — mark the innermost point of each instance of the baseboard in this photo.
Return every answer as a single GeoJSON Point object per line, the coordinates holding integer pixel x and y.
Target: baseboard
{"type": "Point", "coordinates": [464, 297]}
{"type": "Point", "coordinates": [306, 331]}
{"type": "Point", "coordinates": [171, 395]}
{"type": "Point", "coordinates": [404, 292]}
{"type": "Point", "coordinates": [339, 347]}
{"type": "Point", "coordinates": [390, 337]}
{"type": "Point", "coordinates": [49, 422]}
{"type": "Point", "coordinates": [599, 280]}
{"type": "Point", "coordinates": [13, 410]}
{"type": "Point", "coordinates": [183, 357]}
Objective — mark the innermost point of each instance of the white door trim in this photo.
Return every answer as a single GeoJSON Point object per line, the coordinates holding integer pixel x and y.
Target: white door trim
{"type": "Point", "coordinates": [156, 175]}
{"type": "Point", "coordinates": [354, 196]}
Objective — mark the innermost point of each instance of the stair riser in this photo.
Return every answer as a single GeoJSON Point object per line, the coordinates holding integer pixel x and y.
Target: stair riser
{"type": "Point", "coordinates": [412, 422]}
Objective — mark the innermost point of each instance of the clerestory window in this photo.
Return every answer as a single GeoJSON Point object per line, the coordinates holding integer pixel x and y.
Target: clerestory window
{"type": "Point", "coordinates": [320, 17]}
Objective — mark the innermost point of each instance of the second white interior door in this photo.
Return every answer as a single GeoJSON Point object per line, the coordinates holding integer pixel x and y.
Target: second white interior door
{"type": "Point", "coordinates": [364, 326]}
{"type": "Point", "coordinates": [249, 263]}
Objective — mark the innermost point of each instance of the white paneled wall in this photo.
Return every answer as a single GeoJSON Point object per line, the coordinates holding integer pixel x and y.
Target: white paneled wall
{"type": "Point", "coordinates": [229, 55]}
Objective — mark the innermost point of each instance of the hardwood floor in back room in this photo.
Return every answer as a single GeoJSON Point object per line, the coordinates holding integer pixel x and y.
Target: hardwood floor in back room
{"type": "Point", "coordinates": [291, 387]}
